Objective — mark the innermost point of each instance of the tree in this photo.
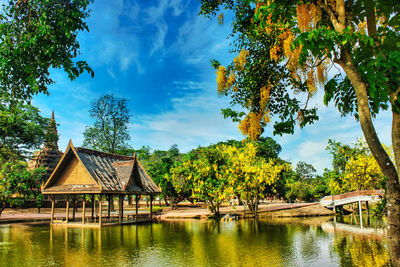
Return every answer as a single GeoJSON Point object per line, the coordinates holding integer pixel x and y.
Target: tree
{"type": "Point", "coordinates": [17, 183]}
{"type": "Point", "coordinates": [110, 130]}
{"type": "Point", "coordinates": [22, 129]}
{"type": "Point", "coordinates": [38, 35]}
{"type": "Point", "coordinates": [205, 171]}
{"type": "Point", "coordinates": [35, 36]}
{"type": "Point", "coordinates": [267, 147]}
{"type": "Point", "coordinates": [362, 38]}
{"type": "Point", "coordinates": [158, 165]}
{"type": "Point", "coordinates": [305, 171]}
{"type": "Point", "coordinates": [249, 175]}
{"type": "Point", "coordinates": [354, 168]}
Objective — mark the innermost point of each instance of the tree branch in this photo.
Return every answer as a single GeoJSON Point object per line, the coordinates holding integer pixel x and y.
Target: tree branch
{"type": "Point", "coordinates": [333, 17]}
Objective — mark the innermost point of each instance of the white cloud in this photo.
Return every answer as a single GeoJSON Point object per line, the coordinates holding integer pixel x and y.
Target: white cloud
{"type": "Point", "coordinates": [197, 43]}
{"type": "Point", "coordinates": [193, 120]}
{"type": "Point", "coordinates": [159, 36]}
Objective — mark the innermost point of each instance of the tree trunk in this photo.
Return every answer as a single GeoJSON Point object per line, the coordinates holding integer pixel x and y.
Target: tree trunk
{"type": "Point", "coordinates": [240, 202]}
{"type": "Point", "coordinates": [3, 207]}
{"type": "Point", "coordinates": [166, 202]}
{"type": "Point", "coordinates": [380, 155]}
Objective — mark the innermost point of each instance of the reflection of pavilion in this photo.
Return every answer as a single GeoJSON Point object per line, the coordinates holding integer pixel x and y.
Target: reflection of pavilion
{"type": "Point", "coordinates": [83, 172]}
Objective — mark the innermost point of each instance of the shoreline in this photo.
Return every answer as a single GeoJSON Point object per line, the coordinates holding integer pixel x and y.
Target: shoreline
{"type": "Point", "coordinates": [186, 211]}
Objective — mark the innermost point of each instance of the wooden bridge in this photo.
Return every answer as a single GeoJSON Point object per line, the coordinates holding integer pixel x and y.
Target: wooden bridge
{"type": "Point", "coordinates": [352, 197]}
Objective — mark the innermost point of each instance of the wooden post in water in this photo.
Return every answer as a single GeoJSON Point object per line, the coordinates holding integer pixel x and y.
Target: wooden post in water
{"type": "Point", "coordinates": [151, 207]}
{"type": "Point", "coordinates": [120, 208]}
{"type": "Point", "coordinates": [73, 208]}
{"type": "Point", "coordinates": [67, 211]}
{"type": "Point", "coordinates": [100, 208]}
{"type": "Point", "coordinates": [109, 198]}
{"type": "Point", "coordinates": [83, 209]}
{"type": "Point", "coordinates": [52, 210]}
{"type": "Point", "coordinates": [360, 211]}
{"type": "Point", "coordinates": [137, 206]}
{"type": "Point", "coordinates": [92, 207]}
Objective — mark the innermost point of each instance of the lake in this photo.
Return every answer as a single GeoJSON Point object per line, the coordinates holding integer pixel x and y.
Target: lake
{"type": "Point", "coordinates": [268, 242]}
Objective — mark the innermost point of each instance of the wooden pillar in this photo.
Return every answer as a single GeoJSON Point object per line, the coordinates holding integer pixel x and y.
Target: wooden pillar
{"type": "Point", "coordinates": [67, 211]}
{"type": "Point", "coordinates": [137, 205]}
{"type": "Point", "coordinates": [367, 207]}
{"type": "Point", "coordinates": [100, 208]}
{"type": "Point", "coordinates": [52, 210]}
{"type": "Point", "coordinates": [360, 211]}
{"type": "Point", "coordinates": [151, 207]}
{"type": "Point", "coordinates": [83, 209]}
{"type": "Point", "coordinates": [109, 198]}
{"type": "Point", "coordinates": [120, 208]}
{"type": "Point", "coordinates": [92, 207]}
{"type": "Point", "coordinates": [73, 208]}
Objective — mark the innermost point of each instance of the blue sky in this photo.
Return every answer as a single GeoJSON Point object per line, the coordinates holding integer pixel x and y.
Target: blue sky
{"type": "Point", "coordinates": [156, 54]}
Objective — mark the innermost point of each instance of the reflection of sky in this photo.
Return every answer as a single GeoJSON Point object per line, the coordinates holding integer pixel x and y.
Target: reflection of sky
{"type": "Point", "coordinates": [156, 54]}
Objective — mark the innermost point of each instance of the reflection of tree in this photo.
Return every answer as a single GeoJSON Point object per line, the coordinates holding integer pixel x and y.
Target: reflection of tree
{"type": "Point", "coordinates": [355, 251]}
{"type": "Point", "coordinates": [309, 244]}
{"type": "Point", "coordinates": [182, 243]}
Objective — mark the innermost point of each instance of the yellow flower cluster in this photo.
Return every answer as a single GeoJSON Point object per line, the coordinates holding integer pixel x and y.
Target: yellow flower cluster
{"type": "Point", "coordinates": [264, 97]}
{"type": "Point", "coordinates": [274, 52]}
{"type": "Point", "coordinates": [250, 125]}
{"type": "Point", "coordinates": [231, 79]}
{"type": "Point", "coordinates": [308, 15]}
{"type": "Point", "coordinates": [362, 26]}
{"type": "Point", "coordinates": [321, 72]}
{"type": "Point", "coordinates": [221, 18]}
{"type": "Point", "coordinates": [221, 79]}
{"type": "Point", "coordinates": [311, 82]}
{"type": "Point", "coordinates": [240, 61]}
{"type": "Point", "coordinates": [266, 118]}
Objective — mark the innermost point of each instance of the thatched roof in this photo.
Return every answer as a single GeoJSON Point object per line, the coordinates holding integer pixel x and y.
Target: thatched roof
{"type": "Point", "coordinates": [83, 170]}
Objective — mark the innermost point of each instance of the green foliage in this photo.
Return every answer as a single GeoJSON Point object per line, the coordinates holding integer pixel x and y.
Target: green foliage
{"type": "Point", "coordinates": [304, 185]}
{"type": "Point", "coordinates": [158, 165]}
{"type": "Point", "coordinates": [354, 168]}
{"type": "Point", "coordinates": [157, 209]}
{"type": "Point", "coordinates": [37, 35]}
{"type": "Point", "coordinates": [110, 130]}
{"type": "Point", "coordinates": [203, 172]}
{"type": "Point", "coordinates": [267, 147]}
{"type": "Point", "coordinates": [22, 130]}
{"type": "Point", "coordinates": [305, 170]}
{"type": "Point", "coordinates": [258, 72]}
{"type": "Point", "coordinates": [380, 209]}
{"type": "Point", "coordinates": [17, 183]}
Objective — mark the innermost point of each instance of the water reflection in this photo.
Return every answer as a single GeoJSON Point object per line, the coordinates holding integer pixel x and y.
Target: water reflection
{"type": "Point", "coordinates": [270, 242]}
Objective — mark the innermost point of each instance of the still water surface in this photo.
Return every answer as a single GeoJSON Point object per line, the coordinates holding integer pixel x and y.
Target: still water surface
{"type": "Point", "coordinates": [274, 242]}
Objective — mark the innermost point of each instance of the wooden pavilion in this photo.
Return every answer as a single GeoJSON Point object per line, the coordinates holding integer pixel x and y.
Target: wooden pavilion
{"type": "Point", "coordinates": [84, 173]}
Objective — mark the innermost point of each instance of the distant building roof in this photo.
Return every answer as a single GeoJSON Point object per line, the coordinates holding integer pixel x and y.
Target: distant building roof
{"type": "Point", "coordinates": [83, 170]}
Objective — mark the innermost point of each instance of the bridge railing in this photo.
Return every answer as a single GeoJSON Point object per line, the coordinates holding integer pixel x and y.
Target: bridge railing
{"type": "Point", "coordinates": [354, 194]}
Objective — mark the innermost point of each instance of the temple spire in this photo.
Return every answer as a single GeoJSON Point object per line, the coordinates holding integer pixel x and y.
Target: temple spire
{"type": "Point", "coordinates": [51, 141]}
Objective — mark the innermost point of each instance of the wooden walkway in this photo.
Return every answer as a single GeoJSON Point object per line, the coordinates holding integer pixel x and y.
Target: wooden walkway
{"type": "Point", "coordinates": [352, 197]}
